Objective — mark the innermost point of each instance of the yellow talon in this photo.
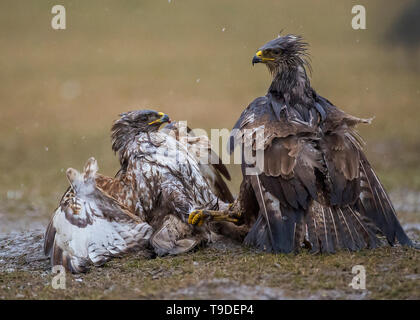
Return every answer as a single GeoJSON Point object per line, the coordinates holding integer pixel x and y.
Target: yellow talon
{"type": "Point", "coordinates": [196, 217]}
{"type": "Point", "coordinates": [190, 217]}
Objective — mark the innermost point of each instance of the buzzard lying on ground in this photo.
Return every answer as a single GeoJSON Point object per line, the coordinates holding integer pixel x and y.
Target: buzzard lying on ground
{"type": "Point", "coordinates": [90, 227]}
{"type": "Point", "coordinates": [314, 187]}
{"type": "Point", "coordinates": [160, 181]}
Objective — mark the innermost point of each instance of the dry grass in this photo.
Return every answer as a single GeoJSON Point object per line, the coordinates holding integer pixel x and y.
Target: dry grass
{"type": "Point", "coordinates": [391, 273]}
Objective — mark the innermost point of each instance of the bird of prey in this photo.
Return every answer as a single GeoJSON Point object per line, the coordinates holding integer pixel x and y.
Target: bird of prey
{"type": "Point", "coordinates": [90, 227]}
{"type": "Point", "coordinates": [210, 164]}
{"type": "Point", "coordinates": [165, 178]}
{"type": "Point", "coordinates": [160, 181]}
{"type": "Point", "coordinates": [313, 186]}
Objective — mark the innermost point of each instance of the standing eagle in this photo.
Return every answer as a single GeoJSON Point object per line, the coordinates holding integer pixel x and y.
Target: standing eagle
{"type": "Point", "coordinates": [314, 186]}
{"type": "Point", "coordinates": [148, 201]}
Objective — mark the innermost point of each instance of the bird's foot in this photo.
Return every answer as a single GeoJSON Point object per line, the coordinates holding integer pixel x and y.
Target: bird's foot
{"type": "Point", "coordinates": [198, 217]}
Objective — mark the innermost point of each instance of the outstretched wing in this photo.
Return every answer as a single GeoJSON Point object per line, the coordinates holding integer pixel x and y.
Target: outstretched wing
{"type": "Point", "coordinates": [375, 204]}
{"type": "Point", "coordinates": [352, 180]}
{"type": "Point", "coordinates": [308, 184]}
{"type": "Point", "coordinates": [90, 227]}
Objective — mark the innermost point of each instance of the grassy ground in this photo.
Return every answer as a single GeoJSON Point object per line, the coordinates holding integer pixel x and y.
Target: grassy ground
{"type": "Point", "coordinates": [231, 273]}
{"type": "Point", "coordinates": [61, 90]}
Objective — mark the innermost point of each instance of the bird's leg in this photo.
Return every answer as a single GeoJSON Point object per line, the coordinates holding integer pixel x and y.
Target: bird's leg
{"type": "Point", "coordinates": [198, 217]}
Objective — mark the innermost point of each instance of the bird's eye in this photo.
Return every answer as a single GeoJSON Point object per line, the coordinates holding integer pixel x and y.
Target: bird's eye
{"type": "Point", "coordinates": [276, 51]}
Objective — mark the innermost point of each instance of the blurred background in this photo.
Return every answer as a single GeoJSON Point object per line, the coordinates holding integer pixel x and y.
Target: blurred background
{"type": "Point", "coordinates": [60, 90]}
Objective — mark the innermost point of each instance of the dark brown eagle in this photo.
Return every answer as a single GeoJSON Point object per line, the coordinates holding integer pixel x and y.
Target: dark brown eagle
{"type": "Point", "coordinates": [146, 204]}
{"type": "Point", "coordinates": [314, 186]}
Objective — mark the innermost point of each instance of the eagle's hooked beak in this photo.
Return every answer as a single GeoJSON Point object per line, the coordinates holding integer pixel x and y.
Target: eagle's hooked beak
{"type": "Point", "coordinates": [259, 58]}
{"type": "Point", "coordinates": [163, 118]}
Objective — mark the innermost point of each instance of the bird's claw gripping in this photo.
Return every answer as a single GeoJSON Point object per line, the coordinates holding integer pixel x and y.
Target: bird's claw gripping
{"type": "Point", "coordinates": [198, 217]}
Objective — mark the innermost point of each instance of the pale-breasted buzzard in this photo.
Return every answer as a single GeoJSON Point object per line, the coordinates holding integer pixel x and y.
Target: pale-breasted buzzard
{"type": "Point", "coordinates": [90, 227]}
{"type": "Point", "coordinates": [160, 181]}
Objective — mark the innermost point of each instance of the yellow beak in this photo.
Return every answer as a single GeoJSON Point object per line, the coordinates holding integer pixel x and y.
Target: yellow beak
{"type": "Point", "coordinates": [163, 118]}
{"type": "Point", "coordinates": [260, 58]}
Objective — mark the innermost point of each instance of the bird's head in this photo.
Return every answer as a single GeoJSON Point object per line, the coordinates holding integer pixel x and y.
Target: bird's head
{"type": "Point", "coordinates": [143, 120]}
{"type": "Point", "coordinates": [132, 123]}
{"type": "Point", "coordinates": [289, 51]}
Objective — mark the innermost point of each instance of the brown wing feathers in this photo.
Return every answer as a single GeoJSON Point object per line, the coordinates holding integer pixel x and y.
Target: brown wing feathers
{"type": "Point", "coordinates": [374, 203]}
{"type": "Point", "coordinates": [317, 189]}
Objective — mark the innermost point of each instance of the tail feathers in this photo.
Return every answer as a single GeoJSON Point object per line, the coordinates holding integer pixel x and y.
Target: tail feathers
{"type": "Point", "coordinates": [284, 228]}
{"type": "Point", "coordinates": [259, 235]}
{"type": "Point", "coordinates": [284, 232]}
{"type": "Point", "coordinates": [336, 228]}
{"type": "Point", "coordinates": [70, 263]}
{"type": "Point", "coordinates": [374, 203]}
{"type": "Point", "coordinates": [320, 232]}
{"type": "Point", "coordinates": [326, 229]}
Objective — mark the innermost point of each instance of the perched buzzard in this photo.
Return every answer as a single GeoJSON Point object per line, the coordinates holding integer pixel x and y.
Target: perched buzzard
{"type": "Point", "coordinates": [314, 187]}
{"type": "Point", "coordinates": [160, 181]}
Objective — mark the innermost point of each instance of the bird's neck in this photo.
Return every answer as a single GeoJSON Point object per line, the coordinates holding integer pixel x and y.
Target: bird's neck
{"type": "Point", "coordinates": [292, 84]}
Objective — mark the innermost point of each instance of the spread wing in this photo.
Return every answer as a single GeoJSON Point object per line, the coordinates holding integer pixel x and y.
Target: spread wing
{"type": "Point", "coordinates": [375, 204]}
{"type": "Point", "coordinates": [353, 182]}
{"type": "Point", "coordinates": [308, 185]}
{"type": "Point", "coordinates": [90, 227]}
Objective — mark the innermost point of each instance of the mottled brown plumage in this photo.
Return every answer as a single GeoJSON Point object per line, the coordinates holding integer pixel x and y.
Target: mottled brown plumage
{"type": "Point", "coordinates": [91, 227]}
{"type": "Point", "coordinates": [315, 187]}
{"type": "Point", "coordinates": [146, 204]}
